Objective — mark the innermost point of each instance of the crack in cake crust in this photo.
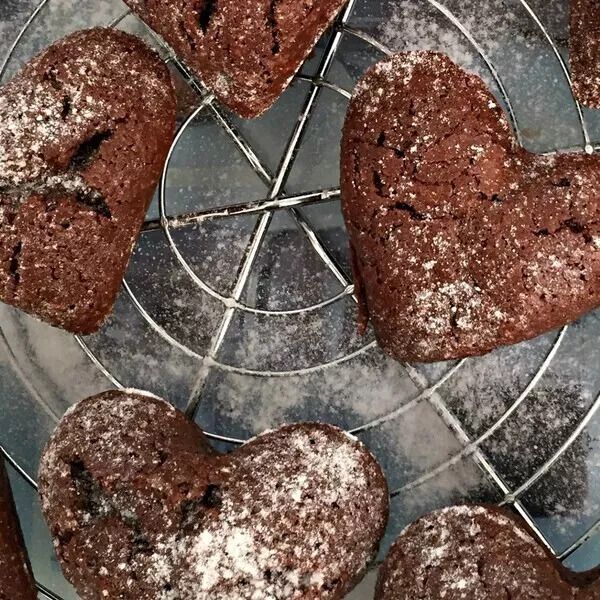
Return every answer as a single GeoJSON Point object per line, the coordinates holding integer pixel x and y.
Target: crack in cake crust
{"type": "Point", "coordinates": [141, 507]}
{"type": "Point", "coordinates": [86, 128]}
{"type": "Point", "coordinates": [245, 52]}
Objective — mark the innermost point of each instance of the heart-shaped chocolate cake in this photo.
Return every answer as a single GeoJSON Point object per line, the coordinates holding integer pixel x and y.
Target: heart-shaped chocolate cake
{"type": "Point", "coordinates": [85, 128]}
{"type": "Point", "coordinates": [16, 578]}
{"type": "Point", "coordinates": [462, 241]}
{"type": "Point", "coordinates": [476, 553]}
{"type": "Point", "coordinates": [584, 50]}
{"type": "Point", "coordinates": [245, 52]}
{"type": "Point", "coordinates": [141, 507]}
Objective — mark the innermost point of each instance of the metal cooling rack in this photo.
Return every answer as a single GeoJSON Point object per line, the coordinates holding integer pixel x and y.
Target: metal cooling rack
{"type": "Point", "coordinates": [278, 199]}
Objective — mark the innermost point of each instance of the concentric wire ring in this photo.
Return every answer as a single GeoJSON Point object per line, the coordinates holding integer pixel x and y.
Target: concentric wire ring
{"type": "Point", "coordinates": [278, 200]}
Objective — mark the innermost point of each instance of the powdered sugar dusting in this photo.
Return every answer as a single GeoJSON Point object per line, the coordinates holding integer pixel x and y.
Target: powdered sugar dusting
{"type": "Point", "coordinates": [400, 67]}
{"type": "Point", "coordinates": [463, 552]}
{"type": "Point", "coordinates": [50, 102]}
{"type": "Point", "coordinates": [299, 510]}
{"type": "Point", "coordinates": [123, 407]}
{"type": "Point", "coordinates": [245, 555]}
{"type": "Point", "coordinates": [136, 392]}
{"type": "Point", "coordinates": [446, 215]}
{"type": "Point", "coordinates": [129, 392]}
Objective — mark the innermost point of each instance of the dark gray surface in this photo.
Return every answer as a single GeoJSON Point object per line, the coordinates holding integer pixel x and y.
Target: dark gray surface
{"type": "Point", "coordinates": [43, 371]}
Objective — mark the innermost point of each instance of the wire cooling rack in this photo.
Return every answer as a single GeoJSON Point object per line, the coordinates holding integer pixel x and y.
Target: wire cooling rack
{"type": "Point", "coordinates": [422, 391]}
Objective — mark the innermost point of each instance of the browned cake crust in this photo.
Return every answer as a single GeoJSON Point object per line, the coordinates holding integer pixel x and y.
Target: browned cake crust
{"type": "Point", "coordinates": [462, 241]}
{"type": "Point", "coordinates": [476, 553]}
{"type": "Point", "coordinates": [584, 50]}
{"type": "Point", "coordinates": [86, 126]}
{"type": "Point", "coordinates": [245, 52]}
{"type": "Point", "coordinates": [141, 508]}
{"type": "Point", "coordinates": [16, 579]}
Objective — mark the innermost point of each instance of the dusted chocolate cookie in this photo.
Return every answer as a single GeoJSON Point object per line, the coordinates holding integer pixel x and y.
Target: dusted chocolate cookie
{"type": "Point", "coordinates": [16, 579]}
{"type": "Point", "coordinates": [86, 127]}
{"type": "Point", "coordinates": [476, 553]}
{"type": "Point", "coordinates": [141, 508]}
{"type": "Point", "coordinates": [245, 52]}
{"type": "Point", "coordinates": [584, 50]}
{"type": "Point", "coordinates": [462, 241]}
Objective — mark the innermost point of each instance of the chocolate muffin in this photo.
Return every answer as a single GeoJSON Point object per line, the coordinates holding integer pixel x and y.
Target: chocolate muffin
{"type": "Point", "coordinates": [141, 508]}
{"type": "Point", "coordinates": [245, 52]}
{"type": "Point", "coordinates": [86, 127]}
{"type": "Point", "coordinates": [462, 241]}
{"type": "Point", "coordinates": [584, 50]}
{"type": "Point", "coordinates": [16, 578]}
{"type": "Point", "coordinates": [479, 553]}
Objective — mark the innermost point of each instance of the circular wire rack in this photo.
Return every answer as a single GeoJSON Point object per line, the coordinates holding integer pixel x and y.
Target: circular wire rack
{"type": "Point", "coordinates": [235, 301]}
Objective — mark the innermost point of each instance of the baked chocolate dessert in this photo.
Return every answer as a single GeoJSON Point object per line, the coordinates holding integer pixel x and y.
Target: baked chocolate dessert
{"type": "Point", "coordinates": [462, 241]}
{"type": "Point", "coordinates": [141, 508]}
{"type": "Point", "coordinates": [479, 553]}
{"type": "Point", "coordinates": [245, 52]}
{"type": "Point", "coordinates": [584, 50]}
{"type": "Point", "coordinates": [86, 126]}
{"type": "Point", "coordinates": [16, 578]}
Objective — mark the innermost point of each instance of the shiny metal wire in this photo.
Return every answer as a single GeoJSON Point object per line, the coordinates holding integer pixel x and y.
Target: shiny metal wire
{"type": "Point", "coordinates": [276, 200]}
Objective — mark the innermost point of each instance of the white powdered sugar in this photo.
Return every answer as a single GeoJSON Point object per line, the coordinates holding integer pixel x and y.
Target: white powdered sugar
{"type": "Point", "coordinates": [463, 552]}
{"type": "Point", "coordinates": [273, 544]}
{"type": "Point", "coordinates": [32, 122]}
{"type": "Point", "coordinates": [54, 101]}
{"type": "Point", "coordinates": [391, 70]}
{"type": "Point", "coordinates": [124, 401]}
{"type": "Point", "coordinates": [460, 297]}
{"type": "Point", "coordinates": [136, 392]}
{"type": "Point", "coordinates": [299, 510]}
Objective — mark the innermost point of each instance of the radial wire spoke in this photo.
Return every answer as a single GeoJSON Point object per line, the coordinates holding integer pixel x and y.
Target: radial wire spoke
{"type": "Point", "coordinates": [473, 446]}
{"type": "Point", "coordinates": [557, 455]}
{"type": "Point", "coordinates": [263, 225]}
{"type": "Point", "coordinates": [249, 208]}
